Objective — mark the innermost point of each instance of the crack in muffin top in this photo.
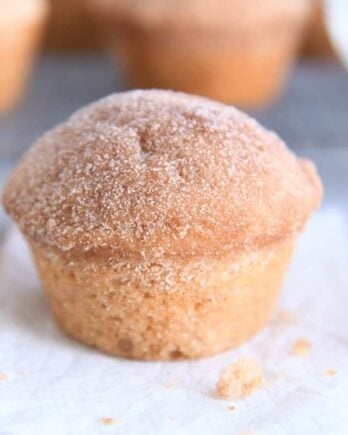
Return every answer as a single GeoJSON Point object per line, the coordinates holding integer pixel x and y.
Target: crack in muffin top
{"type": "Point", "coordinates": [158, 173]}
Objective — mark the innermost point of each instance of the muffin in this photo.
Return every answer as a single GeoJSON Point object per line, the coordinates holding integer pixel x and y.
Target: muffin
{"type": "Point", "coordinates": [318, 42]}
{"type": "Point", "coordinates": [71, 27]}
{"type": "Point", "coordinates": [21, 25]}
{"type": "Point", "coordinates": [161, 224]}
{"type": "Point", "coordinates": [232, 50]}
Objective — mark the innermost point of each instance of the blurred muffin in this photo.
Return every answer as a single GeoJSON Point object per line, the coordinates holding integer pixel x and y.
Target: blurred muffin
{"type": "Point", "coordinates": [317, 42]}
{"type": "Point", "coordinates": [21, 26]}
{"type": "Point", "coordinates": [238, 51]}
{"type": "Point", "coordinates": [161, 224]}
{"type": "Point", "coordinates": [71, 27]}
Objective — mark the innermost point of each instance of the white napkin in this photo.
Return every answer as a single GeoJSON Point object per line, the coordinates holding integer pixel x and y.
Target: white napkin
{"type": "Point", "coordinates": [55, 386]}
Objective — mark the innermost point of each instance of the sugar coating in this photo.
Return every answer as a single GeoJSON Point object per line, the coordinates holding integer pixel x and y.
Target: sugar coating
{"type": "Point", "coordinates": [153, 173]}
{"type": "Point", "coordinates": [239, 379]}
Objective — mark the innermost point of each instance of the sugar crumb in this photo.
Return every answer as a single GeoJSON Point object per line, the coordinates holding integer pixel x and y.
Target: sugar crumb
{"type": "Point", "coordinates": [285, 316]}
{"type": "Point", "coordinates": [3, 376]}
{"type": "Point", "coordinates": [170, 384]}
{"type": "Point", "coordinates": [108, 421]}
{"type": "Point", "coordinates": [301, 347]}
{"type": "Point", "coordinates": [239, 379]}
{"type": "Point", "coordinates": [330, 373]}
{"type": "Point", "coordinates": [231, 408]}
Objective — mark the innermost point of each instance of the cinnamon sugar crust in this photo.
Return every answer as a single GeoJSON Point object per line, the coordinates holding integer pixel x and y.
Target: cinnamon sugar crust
{"type": "Point", "coordinates": [155, 173]}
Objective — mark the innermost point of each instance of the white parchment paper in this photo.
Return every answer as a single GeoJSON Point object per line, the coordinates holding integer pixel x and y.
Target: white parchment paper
{"type": "Point", "coordinates": [52, 385]}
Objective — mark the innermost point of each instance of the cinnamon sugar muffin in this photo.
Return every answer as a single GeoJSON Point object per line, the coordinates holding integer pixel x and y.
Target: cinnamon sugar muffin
{"type": "Point", "coordinates": [238, 51]}
{"type": "Point", "coordinates": [161, 224]}
{"type": "Point", "coordinates": [21, 25]}
{"type": "Point", "coordinates": [71, 27]}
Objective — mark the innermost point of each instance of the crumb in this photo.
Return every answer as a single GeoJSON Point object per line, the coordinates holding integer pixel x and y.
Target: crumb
{"type": "Point", "coordinates": [330, 373]}
{"type": "Point", "coordinates": [170, 384]}
{"type": "Point", "coordinates": [285, 316]}
{"type": "Point", "coordinates": [231, 408]}
{"type": "Point", "coordinates": [239, 379]}
{"type": "Point", "coordinates": [2, 376]}
{"type": "Point", "coordinates": [108, 421]}
{"type": "Point", "coordinates": [301, 347]}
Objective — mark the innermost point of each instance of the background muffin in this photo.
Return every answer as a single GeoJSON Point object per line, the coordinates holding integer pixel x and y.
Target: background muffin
{"type": "Point", "coordinates": [317, 42]}
{"type": "Point", "coordinates": [71, 27]}
{"type": "Point", "coordinates": [21, 26]}
{"type": "Point", "coordinates": [235, 51]}
{"type": "Point", "coordinates": [161, 224]}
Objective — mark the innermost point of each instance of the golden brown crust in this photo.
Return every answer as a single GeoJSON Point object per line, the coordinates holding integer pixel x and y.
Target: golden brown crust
{"type": "Point", "coordinates": [153, 173]}
{"type": "Point", "coordinates": [165, 309]}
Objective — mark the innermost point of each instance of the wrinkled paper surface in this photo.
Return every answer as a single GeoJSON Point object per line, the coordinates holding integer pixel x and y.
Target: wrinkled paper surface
{"type": "Point", "coordinates": [53, 385]}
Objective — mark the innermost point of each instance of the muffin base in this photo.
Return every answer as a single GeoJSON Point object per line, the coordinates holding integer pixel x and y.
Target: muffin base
{"type": "Point", "coordinates": [164, 310]}
{"type": "Point", "coordinates": [245, 73]}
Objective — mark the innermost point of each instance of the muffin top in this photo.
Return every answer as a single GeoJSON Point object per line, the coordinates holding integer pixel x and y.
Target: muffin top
{"type": "Point", "coordinates": [227, 14]}
{"type": "Point", "coordinates": [159, 173]}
